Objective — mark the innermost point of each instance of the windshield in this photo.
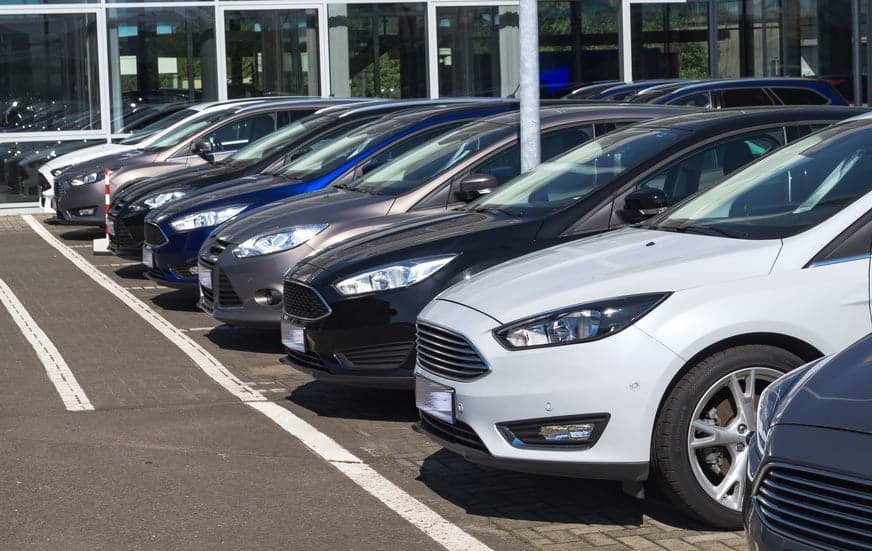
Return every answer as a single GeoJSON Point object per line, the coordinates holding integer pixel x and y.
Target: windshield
{"type": "Point", "coordinates": [580, 172]}
{"type": "Point", "coordinates": [191, 128]}
{"type": "Point", "coordinates": [162, 123]}
{"type": "Point", "coordinates": [786, 193]}
{"type": "Point", "coordinates": [271, 143]}
{"type": "Point", "coordinates": [431, 159]}
{"type": "Point", "coordinates": [325, 159]}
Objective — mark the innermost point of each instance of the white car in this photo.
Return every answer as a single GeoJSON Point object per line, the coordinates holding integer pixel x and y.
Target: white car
{"type": "Point", "coordinates": [644, 352]}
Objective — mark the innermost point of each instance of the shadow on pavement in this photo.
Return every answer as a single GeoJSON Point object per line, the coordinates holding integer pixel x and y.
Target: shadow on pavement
{"type": "Point", "coordinates": [246, 339]}
{"type": "Point", "coordinates": [178, 300]}
{"type": "Point", "coordinates": [132, 272]}
{"type": "Point", "coordinates": [86, 233]}
{"type": "Point", "coordinates": [484, 491]}
{"type": "Point", "coordinates": [374, 404]}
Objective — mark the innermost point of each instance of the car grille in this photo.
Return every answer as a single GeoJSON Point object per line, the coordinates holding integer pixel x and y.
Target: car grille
{"type": "Point", "coordinates": [154, 236]}
{"type": "Point", "coordinates": [310, 360]}
{"type": "Point", "coordinates": [122, 238]}
{"type": "Point", "coordinates": [156, 274]}
{"type": "Point", "coordinates": [382, 356]}
{"type": "Point", "coordinates": [448, 354]}
{"type": "Point", "coordinates": [227, 297]}
{"type": "Point", "coordinates": [302, 302]}
{"type": "Point", "coordinates": [458, 433]}
{"type": "Point", "coordinates": [819, 508]}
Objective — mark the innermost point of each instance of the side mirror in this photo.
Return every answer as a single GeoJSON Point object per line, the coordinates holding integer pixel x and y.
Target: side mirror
{"type": "Point", "coordinates": [642, 204]}
{"type": "Point", "coordinates": [203, 149]}
{"type": "Point", "coordinates": [474, 186]}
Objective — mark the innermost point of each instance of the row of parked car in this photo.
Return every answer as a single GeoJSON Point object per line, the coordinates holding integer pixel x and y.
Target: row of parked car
{"type": "Point", "coordinates": [625, 311]}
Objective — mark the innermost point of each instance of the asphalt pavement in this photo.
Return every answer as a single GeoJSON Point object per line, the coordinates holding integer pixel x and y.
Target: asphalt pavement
{"type": "Point", "coordinates": [174, 455]}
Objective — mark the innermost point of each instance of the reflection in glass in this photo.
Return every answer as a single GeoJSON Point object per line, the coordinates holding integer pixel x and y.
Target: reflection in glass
{"type": "Point", "coordinates": [578, 42]}
{"type": "Point", "coordinates": [19, 179]}
{"type": "Point", "coordinates": [160, 55]}
{"type": "Point", "coordinates": [48, 73]}
{"type": "Point", "coordinates": [670, 40]}
{"type": "Point", "coordinates": [478, 50]}
{"type": "Point", "coordinates": [272, 52]}
{"type": "Point", "coordinates": [378, 50]}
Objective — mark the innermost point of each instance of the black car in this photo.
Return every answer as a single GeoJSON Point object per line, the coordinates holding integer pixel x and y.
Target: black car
{"type": "Point", "coordinates": [260, 159]}
{"type": "Point", "coordinates": [810, 479]}
{"type": "Point", "coordinates": [349, 312]}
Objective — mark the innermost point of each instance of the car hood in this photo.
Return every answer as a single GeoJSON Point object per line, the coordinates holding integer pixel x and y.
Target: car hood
{"type": "Point", "coordinates": [84, 155]}
{"type": "Point", "coordinates": [415, 235]}
{"type": "Point", "coordinates": [835, 394]}
{"type": "Point", "coordinates": [328, 206]}
{"type": "Point", "coordinates": [193, 177]}
{"type": "Point", "coordinates": [624, 262]}
{"type": "Point", "coordinates": [221, 192]}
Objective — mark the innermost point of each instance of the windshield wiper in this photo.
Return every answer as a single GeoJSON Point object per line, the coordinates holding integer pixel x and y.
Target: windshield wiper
{"type": "Point", "coordinates": [501, 210]}
{"type": "Point", "coordinates": [711, 230]}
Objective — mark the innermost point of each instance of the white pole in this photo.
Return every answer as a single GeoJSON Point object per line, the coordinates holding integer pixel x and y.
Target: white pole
{"type": "Point", "coordinates": [528, 28]}
{"type": "Point", "coordinates": [625, 40]}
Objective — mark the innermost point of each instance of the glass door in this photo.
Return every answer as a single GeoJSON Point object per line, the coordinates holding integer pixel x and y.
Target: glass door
{"type": "Point", "coordinates": [271, 51]}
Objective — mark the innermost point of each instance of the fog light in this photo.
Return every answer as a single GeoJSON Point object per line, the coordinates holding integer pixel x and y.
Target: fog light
{"type": "Point", "coordinates": [581, 431]}
{"type": "Point", "coordinates": [86, 212]}
{"type": "Point", "coordinates": [559, 433]}
{"type": "Point", "coordinates": [268, 297]}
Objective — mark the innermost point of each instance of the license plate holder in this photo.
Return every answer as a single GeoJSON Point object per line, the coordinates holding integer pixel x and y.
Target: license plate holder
{"type": "Point", "coordinates": [204, 275]}
{"type": "Point", "coordinates": [434, 399]}
{"type": "Point", "coordinates": [147, 257]}
{"type": "Point", "coordinates": [293, 336]}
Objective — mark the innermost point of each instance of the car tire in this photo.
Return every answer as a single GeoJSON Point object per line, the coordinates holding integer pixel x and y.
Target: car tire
{"type": "Point", "coordinates": [697, 455]}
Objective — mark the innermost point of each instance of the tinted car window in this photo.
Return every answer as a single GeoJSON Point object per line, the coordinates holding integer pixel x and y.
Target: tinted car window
{"type": "Point", "coordinates": [745, 97]}
{"type": "Point", "coordinates": [157, 126]}
{"type": "Point", "coordinates": [703, 99]}
{"type": "Point", "coordinates": [853, 243]}
{"type": "Point", "coordinates": [580, 172]}
{"type": "Point", "coordinates": [788, 192]}
{"type": "Point", "coordinates": [231, 137]}
{"type": "Point", "coordinates": [503, 166]}
{"type": "Point", "coordinates": [704, 169]}
{"type": "Point", "coordinates": [559, 141]}
{"type": "Point", "coordinates": [799, 96]}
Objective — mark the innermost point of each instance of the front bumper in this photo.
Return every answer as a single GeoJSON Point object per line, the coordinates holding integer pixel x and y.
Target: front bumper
{"type": "Point", "coordinates": [240, 285]}
{"type": "Point", "coordinates": [366, 340]}
{"type": "Point", "coordinates": [127, 236]}
{"type": "Point", "coordinates": [622, 377]}
{"type": "Point", "coordinates": [174, 262]}
{"type": "Point", "coordinates": [80, 204]}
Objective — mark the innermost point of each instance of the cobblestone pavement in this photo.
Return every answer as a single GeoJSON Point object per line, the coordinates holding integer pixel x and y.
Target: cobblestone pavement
{"type": "Point", "coordinates": [504, 509]}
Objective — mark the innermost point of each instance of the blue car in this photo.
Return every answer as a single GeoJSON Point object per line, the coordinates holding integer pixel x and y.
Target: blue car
{"type": "Point", "coordinates": [742, 92]}
{"type": "Point", "coordinates": [174, 234]}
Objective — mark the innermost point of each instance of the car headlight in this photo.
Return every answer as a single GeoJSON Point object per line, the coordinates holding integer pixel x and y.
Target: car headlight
{"type": "Point", "coordinates": [90, 178]}
{"type": "Point", "coordinates": [206, 218]}
{"type": "Point", "coordinates": [582, 323]}
{"type": "Point", "coordinates": [161, 199]}
{"type": "Point", "coordinates": [58, 171]}
{"type": "Point", "coordinates": [772, 398]}
{"type": "Point", "coordinates": [394, 276]}
{"type": "Point", "coordinates": [279, 241]}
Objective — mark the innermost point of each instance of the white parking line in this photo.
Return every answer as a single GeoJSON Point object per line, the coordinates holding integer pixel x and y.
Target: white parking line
{"type": "Point", "coordinates": [56, 368]}
{"type": "Point", "coordinates": [439, 529]}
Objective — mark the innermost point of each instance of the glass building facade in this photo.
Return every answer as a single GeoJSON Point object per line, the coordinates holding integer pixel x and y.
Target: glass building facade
{"type": "Point", "coordinates": [74, 73]}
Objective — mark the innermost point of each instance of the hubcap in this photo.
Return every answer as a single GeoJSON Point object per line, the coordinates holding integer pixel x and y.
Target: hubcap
{"type": "Point", "coordinates": [721, 421]}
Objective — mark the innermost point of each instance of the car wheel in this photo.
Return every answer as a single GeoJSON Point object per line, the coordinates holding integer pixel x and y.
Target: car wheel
{"type": "Point", "coordinates": [699, 448]}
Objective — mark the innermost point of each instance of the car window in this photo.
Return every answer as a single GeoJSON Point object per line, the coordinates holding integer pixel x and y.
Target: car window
{"type": "Point", "coordinates": [231, 137]}
{"type": "Point", "coordinates": [786, 193]}
{"type": "Point", "coordinates": [799, 96]}
{"type": "Point", "coordinates": [703, 99]}
{"type": "Point", "coordinates": [503, 166]}
{"type": "Point", "coordinates": [853, 244]}
{"type": "Point", "coordinates": [560, 141]}
{"type": "Point", "coordinates": [745, 97]}
{"type": "Point", "coordinates": [393, 151]}
{"type": "Point", "coordinates": [704, 169]}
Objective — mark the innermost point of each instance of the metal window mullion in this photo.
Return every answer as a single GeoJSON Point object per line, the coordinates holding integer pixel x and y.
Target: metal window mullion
{"type": "Point", "coordinates": [220, 52]}
{"type": "Point", "coordinates": [103, 76]}
{"type": "Point", "coordinates": [432, 50]}
{"type": "Point", "coordinates": [324, 50]}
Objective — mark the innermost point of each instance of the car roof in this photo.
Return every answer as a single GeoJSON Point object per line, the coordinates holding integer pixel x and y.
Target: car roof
{"type": "Point", "coordinates": [382, 105]}
{"type": "Point", "coordinates": [746, 117]}
{"type": "Point", "coordinates": [550, 114]}
{"type": "Point", "coordinates": [311, 102]}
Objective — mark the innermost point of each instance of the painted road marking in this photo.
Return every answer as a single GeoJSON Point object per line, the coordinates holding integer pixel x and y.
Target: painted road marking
{"type": "Point", "coordinates": [427, 520]}
{"type": "Point", "coordinates": [56, 368]}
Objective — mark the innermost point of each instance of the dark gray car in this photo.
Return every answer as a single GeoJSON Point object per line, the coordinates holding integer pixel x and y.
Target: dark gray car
{"type": "Point", "coordinates": [242, 263]}
{"type": "Point", "coordinates": [811, 480]}
{"type": "Point", "coordinates": [217, 133]}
